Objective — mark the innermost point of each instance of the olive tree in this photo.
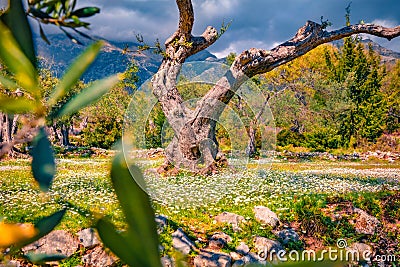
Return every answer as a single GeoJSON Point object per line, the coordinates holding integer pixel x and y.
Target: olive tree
{"type": "Point", "coordinates": [194, 141]}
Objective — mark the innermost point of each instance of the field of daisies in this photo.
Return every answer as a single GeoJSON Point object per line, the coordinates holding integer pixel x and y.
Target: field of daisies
{"type": "Point", "coordinates": [83, 186]}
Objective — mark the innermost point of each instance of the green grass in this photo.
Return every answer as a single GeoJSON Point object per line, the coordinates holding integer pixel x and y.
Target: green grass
{"type": "Point", "coordinates": [81, 185]}
{"type": "Point", "coordinates": [191, 202]}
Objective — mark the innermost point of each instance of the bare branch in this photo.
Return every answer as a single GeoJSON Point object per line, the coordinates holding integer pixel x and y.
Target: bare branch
{"type": "Point", "coordinates": [199, 43]}
{"type": "Point", "coordinates": [186, 21]}
{"type": "Point", "coordinates": [182, 44]}
{"type": "Point", "coordinates": [264, 106]}
{"type": "Point", "coordinates": [256, 61]}
{"type": "Point", "coordinates": [186, 16]}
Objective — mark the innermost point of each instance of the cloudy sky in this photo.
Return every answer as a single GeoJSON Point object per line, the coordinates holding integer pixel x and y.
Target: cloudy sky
{"type": "Point", "coordinates": [255, 23]}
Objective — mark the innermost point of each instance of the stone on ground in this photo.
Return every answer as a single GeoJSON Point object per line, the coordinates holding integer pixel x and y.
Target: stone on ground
{"type": "Point", "coordinates": [88, 238]}
{"type": "Point", "coordinates": [251, 259]}
{"type": "Point", "coordinates": [212, 259]}
{"type": "Point", "coordinates": [288, 235]}
{"type": "Point", "coordinates": [230, 218]}
{"type": "Point", "coordinates": [360, 253]}
{"type": "Point", "coordinates": [242, 248]}
{"type": "Point", "coordinates": [161, 222]}
{"type": "Point", "coordinates": [166, 261]}
{"type": "Point", "coordinates": [181, 242]}
{"type": "Point", "coordinates": [267, 248]}
{"type": "Point", "coordinates": [219, 240]}
{"type": "Point", "coordinates": [266, 216]}
{"type": "Point", "coordinates": [56, 242]}
{"type": "Point", "coordinates": [365, 223]}
{"type": "Point", "coordinates": [99, 258]}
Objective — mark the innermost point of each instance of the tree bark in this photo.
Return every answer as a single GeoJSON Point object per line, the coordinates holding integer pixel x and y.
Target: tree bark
{"type": "Point", "coordinates": [14, 126]}
{"type": "Point", "coordinates": [251, 149]}
{"type": "Point", "coordinates": [1, 127]}
{"type": "Point", "coordinates": [64, 135]}
{"type": "Point", "coordinates": [8, 128]}
{"type": "Point", "coordinates": [56, 136]}
{"type": "Point", "coordinates": [194, 145]}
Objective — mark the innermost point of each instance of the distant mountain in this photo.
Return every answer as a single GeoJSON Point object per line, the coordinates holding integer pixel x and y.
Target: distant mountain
{"type": "Point", "coordinates": [387, 55]}
{"type": "Point", "coordinates": [62, 51]}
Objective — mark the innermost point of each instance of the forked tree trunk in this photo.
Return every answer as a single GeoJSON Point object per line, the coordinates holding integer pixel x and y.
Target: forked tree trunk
{"type": "Point", "coordinates": [194, 145]}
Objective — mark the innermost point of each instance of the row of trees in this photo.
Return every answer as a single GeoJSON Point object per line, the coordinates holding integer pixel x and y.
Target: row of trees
{"type": "Point", "coordinates": [98, 125]}
{"type": "Point", "coordinates": [330, 98]}
{"type": "Point", "coordinates": [343, 98]}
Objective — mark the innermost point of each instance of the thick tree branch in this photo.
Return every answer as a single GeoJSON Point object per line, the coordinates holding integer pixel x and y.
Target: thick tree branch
{"type": "Point", "coordinates": [186, 16]}
{"type": "Point", "coordinates": [186, 21]}
{"type": "Point", "coordinates": [257, 61]}
{"type": "Point", "coordinates": [182, 44]}
{"type": "Point", "coordinates": [199, 43]}
{"type": "Point", "coordinates": [179, 46]}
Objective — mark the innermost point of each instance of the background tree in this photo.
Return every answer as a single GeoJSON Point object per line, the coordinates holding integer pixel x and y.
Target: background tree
{"type": "Point", "coordinates": [305, 101]}
{"type": "Point", "coordinates": [62, 126]}
{"type": "Point", "coordinates": [391, 89]}
{"type": "Point", "coordinates": [102, 123]}
{"type": "Point", "coordinates": [360, 72]}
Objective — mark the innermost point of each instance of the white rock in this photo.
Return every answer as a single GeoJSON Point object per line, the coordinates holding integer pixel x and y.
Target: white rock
{"type": "Point", "coordinates": [243, 248]}
{"type": "Point", "coordinates": [181, 242]}
{"type": "Point", "coordinates": [266, 216]}
{"type": "Point", "coordinates": [56, 242]}
{"type": "Point", "coordinates": [230, 218]}
{"type": "Point", "coordinates": [88, 238]}
{"type": "Point", "coordinates": [212, 259]}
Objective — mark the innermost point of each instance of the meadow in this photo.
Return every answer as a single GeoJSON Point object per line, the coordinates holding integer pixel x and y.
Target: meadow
{"type": "Point", "coordinates": [296, 191]}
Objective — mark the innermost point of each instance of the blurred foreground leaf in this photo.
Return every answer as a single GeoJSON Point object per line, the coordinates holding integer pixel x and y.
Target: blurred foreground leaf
{"type": "Point", "coordinates": [16, 21]}
{"type": "Point", "coordinates": [43, 162]}
{"type": "Point", "coordinates": [16, 105]}
{"type": "Point", "coordinates": [140, 241]}
{"type": "Point", "coordinates": [7, 83]}
{"type": "Point", "coordinates": [11, 234]}
{"type": "Point", "coordinates": [12, 56]}
{"type": "Point", "coordinates": [23, 234]}
{"type": "Point", "coordinates": [47, 224]}
{"type": "Point", "coordinates": [117, 243]}
{"type": "Point", "coordinates": [43, 258]}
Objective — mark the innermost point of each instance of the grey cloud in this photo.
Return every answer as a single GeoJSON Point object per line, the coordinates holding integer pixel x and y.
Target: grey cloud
{"type": "Point", "coordinates": [254, 22]}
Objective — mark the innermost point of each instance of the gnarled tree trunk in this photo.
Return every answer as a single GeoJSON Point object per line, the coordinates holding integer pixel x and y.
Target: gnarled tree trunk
{"type": "Point", "coordinates": [194, 145]}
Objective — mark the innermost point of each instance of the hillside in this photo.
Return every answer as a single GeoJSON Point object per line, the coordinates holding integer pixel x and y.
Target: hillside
{"type": "Point", "coordinates": [387, 55]}
{"type": "Point", "coordinates": [60, 53]}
